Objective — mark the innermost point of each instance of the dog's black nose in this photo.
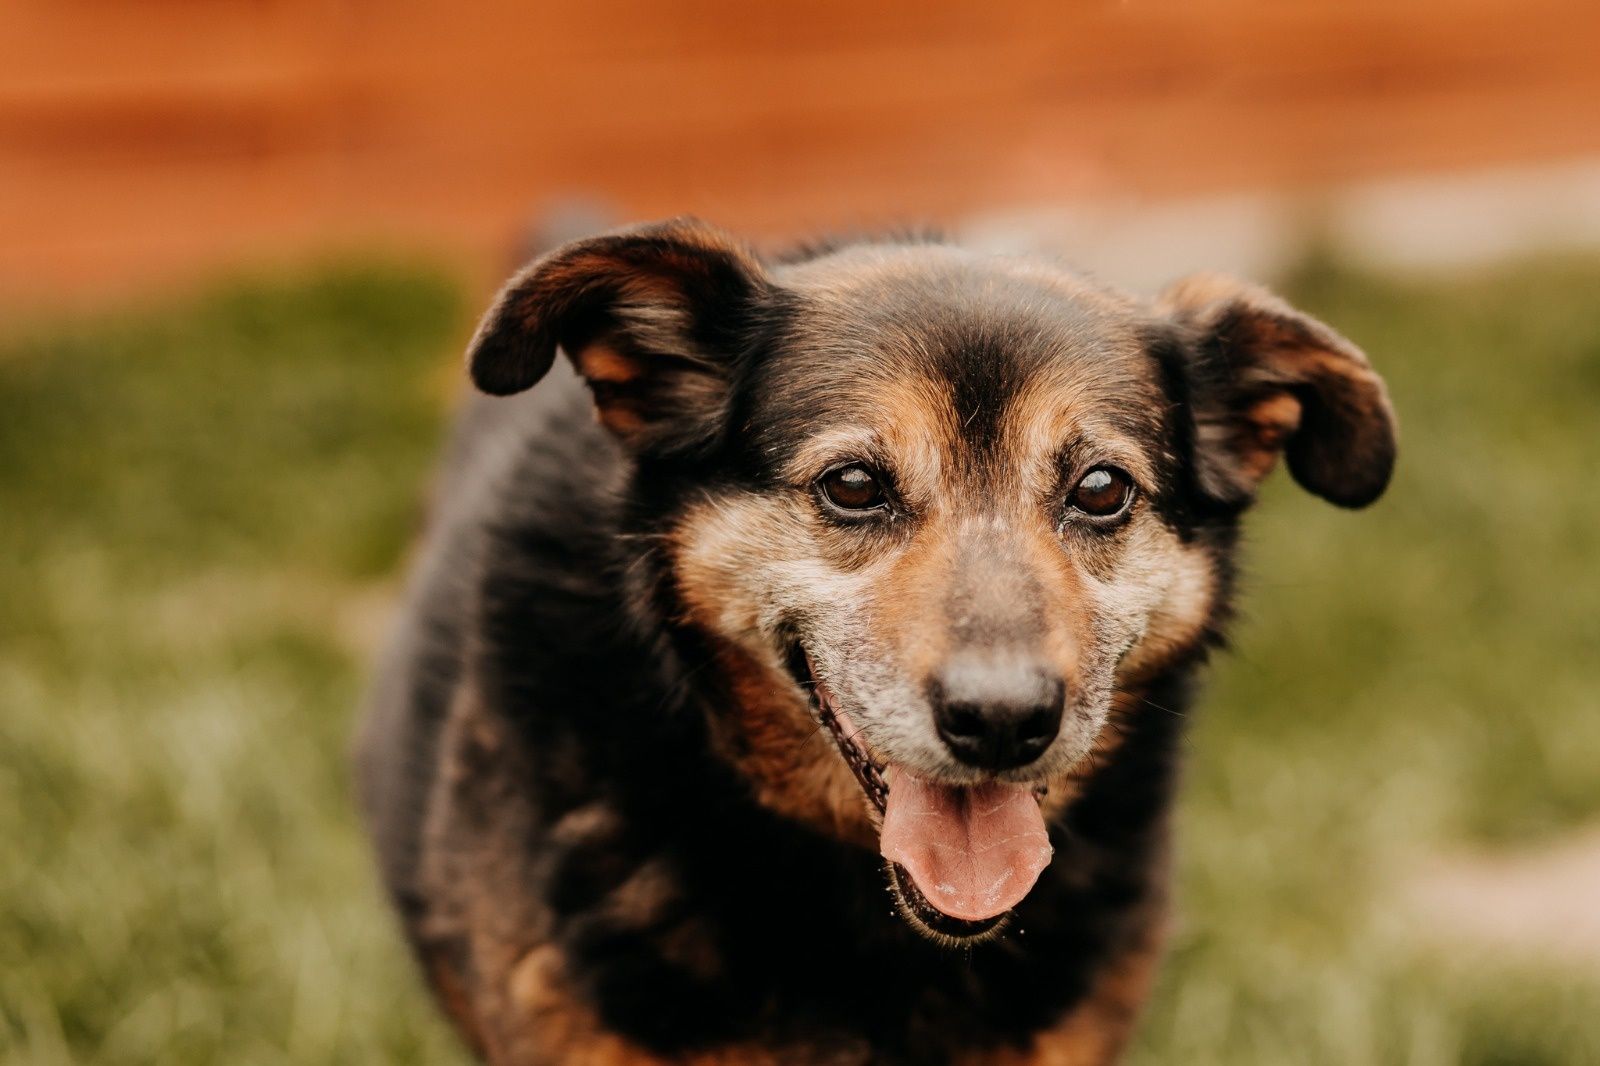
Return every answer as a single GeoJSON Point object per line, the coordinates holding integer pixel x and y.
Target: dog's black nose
{"type": "Point", "coordinates": [997, 715]}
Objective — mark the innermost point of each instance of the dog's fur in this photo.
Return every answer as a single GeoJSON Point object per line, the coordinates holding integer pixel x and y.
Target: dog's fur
{"type": "Point", "coordinates": [600, 795]}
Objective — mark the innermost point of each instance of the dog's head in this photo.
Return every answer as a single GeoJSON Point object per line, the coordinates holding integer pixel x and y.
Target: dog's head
{"type": "Point", "coordinates": [954, 510]}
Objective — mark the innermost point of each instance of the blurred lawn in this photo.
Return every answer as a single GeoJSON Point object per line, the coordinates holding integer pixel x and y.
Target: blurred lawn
{"type": "Point", "coordinates": [202, 512]}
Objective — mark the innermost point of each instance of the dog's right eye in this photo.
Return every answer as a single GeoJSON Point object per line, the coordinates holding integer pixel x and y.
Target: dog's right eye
{"type": "Point", "coordinates": [853, 487]}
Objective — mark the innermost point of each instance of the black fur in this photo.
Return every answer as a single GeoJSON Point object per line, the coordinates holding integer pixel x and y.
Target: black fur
{"type": "Point", "coordinates": [542, 584]}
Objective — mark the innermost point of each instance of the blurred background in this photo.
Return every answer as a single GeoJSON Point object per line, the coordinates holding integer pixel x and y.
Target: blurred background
{"type": "Point", "coordinates": [243, 242]}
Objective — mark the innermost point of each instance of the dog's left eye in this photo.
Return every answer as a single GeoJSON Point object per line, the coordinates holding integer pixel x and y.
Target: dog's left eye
{"type": "Point", "coordinates": [1103, 492]}
{"type": "Point", "coordinates": [853, 487]}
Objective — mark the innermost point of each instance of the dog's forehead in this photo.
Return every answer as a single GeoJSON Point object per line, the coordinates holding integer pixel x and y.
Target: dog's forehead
{"type": "Point", "coordinates": [963, 347]}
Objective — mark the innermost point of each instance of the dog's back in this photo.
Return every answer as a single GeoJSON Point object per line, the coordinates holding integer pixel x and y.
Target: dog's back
{"type": "Point", "coordinates": [496, 447]}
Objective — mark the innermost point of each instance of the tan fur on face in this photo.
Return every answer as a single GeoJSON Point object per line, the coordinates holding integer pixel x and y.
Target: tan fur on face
{"type": "Point", "coordinates": [789, 758]}
{"type": "Point", "coordinates": [740, 563]}
{"type": "Point", "coordinates": [1179, 623]}
{"type": "Point", "coordinates": [1064, 405]}
{"type": "Point", "coordinates": [907, 420]}
{"type": "Point", "coordinates": [976, 552]}
{"type": "Point", "coordinates": [1110, 609]}
{"type": "Point", "coordinates": [1160, 590]}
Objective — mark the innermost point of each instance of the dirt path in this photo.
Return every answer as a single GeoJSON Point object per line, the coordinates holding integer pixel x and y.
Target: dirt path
{"type": "Point", "coordinates": [1543, 901]}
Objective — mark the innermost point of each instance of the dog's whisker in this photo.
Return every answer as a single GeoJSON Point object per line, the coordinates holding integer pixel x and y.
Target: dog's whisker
{"type": "Point", "coordinates": [1152, 703]}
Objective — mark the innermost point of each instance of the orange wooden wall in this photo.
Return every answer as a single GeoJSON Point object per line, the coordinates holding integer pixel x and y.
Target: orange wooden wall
{"type": "Point", "coordinates": [145, 140]}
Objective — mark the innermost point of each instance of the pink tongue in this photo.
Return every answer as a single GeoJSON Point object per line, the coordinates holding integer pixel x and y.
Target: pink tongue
{"type": "Point", "coordinates": [973, 852]}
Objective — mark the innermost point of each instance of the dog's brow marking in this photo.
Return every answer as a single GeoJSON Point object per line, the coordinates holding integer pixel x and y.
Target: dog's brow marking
{"type": "Point", "coordinates": [833, 444]}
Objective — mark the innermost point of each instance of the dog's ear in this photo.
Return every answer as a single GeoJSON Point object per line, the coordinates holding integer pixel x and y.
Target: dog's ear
{"type": "Point", "coordinates": [653, 317]}
{"type": "Point", "coordinates": [1263, 378]}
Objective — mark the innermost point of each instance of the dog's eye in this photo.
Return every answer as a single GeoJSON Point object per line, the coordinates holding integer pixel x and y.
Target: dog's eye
{"type": "Point", "coordinates": [853, 487]}
{"type": "Point", "coordinates": [1103, 492]}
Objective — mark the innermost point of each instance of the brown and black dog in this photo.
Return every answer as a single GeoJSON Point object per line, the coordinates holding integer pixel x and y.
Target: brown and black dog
{"type": "Point", "coordinates": [847, 615]}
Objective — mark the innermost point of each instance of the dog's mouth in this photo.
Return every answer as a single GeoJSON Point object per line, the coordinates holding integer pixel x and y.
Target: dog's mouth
{"type": "Point", "coordinates": [959, 857]}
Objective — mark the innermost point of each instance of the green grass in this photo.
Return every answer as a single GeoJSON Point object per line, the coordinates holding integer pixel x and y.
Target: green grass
{"type": "Point", "coordinates": [203, 510]}
{"type": "Point", "coordinates": [198, 511]}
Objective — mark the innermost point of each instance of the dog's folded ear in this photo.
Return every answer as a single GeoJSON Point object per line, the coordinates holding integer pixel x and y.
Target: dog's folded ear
{"type": "Point", "coordinates": [653, 317]}
{"type": "Point", "coordinates": [1263, 378]}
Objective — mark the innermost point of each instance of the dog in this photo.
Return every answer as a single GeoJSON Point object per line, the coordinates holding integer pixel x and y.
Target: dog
{"type": "Point", "coordinates": [797, 674]}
